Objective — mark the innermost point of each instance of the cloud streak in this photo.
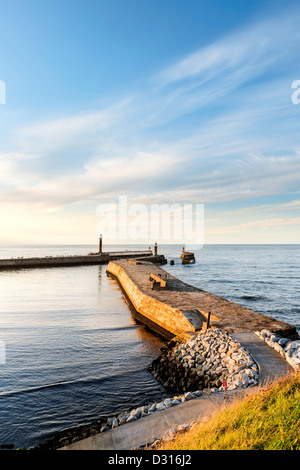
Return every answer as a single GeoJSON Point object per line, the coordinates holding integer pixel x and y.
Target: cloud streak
{"type": "Point", "coordinates": [203, 130]}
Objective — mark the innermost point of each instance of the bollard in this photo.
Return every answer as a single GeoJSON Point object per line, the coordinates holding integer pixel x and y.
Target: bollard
{"type": "Point", "coordinates": [225, 388]}
{"type": "Point", "coordinates": [207, 322]}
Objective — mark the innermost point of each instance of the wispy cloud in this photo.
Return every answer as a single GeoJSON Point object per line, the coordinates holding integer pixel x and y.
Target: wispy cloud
{"type": "Point", "coordinates": [150, 144]}
{"type": "Point", "coordinates": [242, 54]}
{"type": "Point", "coordinates": [12, 165]}
{"type": "Point", "coordinates": [71, 131]}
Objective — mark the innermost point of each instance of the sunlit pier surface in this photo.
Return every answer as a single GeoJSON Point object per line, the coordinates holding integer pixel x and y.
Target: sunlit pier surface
{"type": "Point", "coordinates": [173, 308]}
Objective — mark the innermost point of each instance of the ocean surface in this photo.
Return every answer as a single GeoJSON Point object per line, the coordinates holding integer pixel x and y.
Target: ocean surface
{"type": "Point", "coordinates": [74, 352]}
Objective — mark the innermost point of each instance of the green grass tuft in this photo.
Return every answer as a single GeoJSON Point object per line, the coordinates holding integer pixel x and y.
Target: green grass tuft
{"type": "Point", "coordinates": [266, 420]}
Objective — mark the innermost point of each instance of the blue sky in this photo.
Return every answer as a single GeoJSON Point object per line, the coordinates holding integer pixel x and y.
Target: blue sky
{"type": "Point", "coordinates": [162, 101]}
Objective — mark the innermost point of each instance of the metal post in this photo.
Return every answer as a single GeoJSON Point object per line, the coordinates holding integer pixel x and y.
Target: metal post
{"type": "Point", "coordinates": [100, 244]}
{"type": "Point", "coordinates": [207, 323]}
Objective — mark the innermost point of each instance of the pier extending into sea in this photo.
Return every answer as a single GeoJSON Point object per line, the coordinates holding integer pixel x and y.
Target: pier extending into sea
{"type": "Point", "coordinates": [173, 308]}
{"type": "Point", "coordinates": [178, 310]}
{"type": "Point", "coordinates": [77, 260]}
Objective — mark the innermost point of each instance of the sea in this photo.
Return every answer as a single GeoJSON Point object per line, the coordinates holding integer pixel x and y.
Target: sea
{"type": "Point", "coordinates": [71, 351]}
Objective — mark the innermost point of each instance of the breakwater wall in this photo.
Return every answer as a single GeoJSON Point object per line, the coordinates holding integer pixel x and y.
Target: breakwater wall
{"type": "Point", "coordinates": [174, 308]}
{"type": "Point", "coordinates": [74, 260]}
{"type": "Point", "coordinates": [160, 317]}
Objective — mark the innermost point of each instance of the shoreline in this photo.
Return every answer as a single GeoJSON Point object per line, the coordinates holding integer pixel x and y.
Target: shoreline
{"type": "Point", "coordinates": [87, 429]}
{"type": "Point", "coordinates": [241, 372]}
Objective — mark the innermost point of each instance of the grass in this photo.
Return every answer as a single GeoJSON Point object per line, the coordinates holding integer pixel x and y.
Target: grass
{"type": "Point", "coordinates": [265, 420]}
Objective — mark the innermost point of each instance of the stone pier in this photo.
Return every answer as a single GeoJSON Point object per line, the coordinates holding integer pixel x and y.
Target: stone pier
{"type": "Point", "coordinates": [75, 260]}
{"type": "Point", "coordinates": [174, 308]}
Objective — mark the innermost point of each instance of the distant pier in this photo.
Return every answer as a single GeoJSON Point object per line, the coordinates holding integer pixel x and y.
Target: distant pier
{"type": "Point", "coordinates": [77, 260]}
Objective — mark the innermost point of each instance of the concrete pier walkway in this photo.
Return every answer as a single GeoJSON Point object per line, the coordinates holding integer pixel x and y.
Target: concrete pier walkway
{"type": "Point", "coordinates": [145, 430]}
{"type": "Point", "coordinates": [76, 260]}
{"type": "Point", "coordinates": [181, 309]}
{"type": "Point", "coordinates": [271, 364]}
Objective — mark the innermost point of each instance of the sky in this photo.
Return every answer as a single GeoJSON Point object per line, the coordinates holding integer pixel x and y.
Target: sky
{"type": "Point", "coordinates": [162, 102]}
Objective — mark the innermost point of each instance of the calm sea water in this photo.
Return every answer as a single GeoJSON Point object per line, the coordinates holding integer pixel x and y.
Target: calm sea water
{"type": "Point", "coordinates": [74, 352]}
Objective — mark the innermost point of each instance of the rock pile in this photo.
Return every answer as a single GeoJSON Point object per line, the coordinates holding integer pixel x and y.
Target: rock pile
{"type": "Point", "coordinates": [191, 369]}
{"type": "Point", "coordinates": [289, 349]}
{"type": "Point", "coordinates": [205, 361]}
{"type": "Point", "coordinates": [146, 410]}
